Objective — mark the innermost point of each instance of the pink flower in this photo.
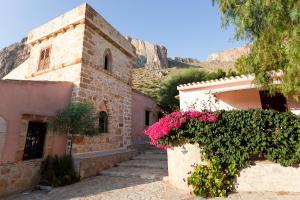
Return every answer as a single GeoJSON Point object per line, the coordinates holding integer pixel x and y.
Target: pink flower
{"type": "Point", "coordinates": [174, 121]}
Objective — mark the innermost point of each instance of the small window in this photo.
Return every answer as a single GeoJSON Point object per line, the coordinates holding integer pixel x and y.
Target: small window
{"type": "Point", "coordinates": [44, 59]}
{"type": "Point", "coordinates": [103, 122]}
{"type": "Point", "coordinates": [107, 60]}
{"type": "Point", "coordinates": [35, 139]}
{"type": "Point", "coordinates": [147, 118]}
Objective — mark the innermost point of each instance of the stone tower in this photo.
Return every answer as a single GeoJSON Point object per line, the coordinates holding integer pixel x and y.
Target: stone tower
{"type": "Point", "coordinates": [83, 48]}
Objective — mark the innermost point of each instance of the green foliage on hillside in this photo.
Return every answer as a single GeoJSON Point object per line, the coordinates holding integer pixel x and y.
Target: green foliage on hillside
{"type": "Point", "coordinates": [273, 28]}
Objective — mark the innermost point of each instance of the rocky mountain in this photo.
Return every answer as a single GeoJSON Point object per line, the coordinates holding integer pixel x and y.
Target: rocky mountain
{"type": "Point", "coordinates": [149, 56]}
{"type": "Point", "coordinates": [187, 60]}
{"type": "Point", "coordinates": [220, 60]}
{"type": "Point", "coordinates": [229, 55]}
{"type": "Point", "coordinates": [12, 56]}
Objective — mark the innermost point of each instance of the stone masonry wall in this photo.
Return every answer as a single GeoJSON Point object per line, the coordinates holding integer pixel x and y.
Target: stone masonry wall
{"type": "Point", "coordinates": [65, 56]}
{"type": "Point", "coordinates": [110, 91]}
{"type": "Point", "coordinates": [19, 176]}
{"type": "Point", "coordinates": [112, 96]}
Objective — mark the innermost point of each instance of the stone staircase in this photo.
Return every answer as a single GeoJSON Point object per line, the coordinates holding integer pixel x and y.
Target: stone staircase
{"type": "Point", "coordinates": [151, 164]}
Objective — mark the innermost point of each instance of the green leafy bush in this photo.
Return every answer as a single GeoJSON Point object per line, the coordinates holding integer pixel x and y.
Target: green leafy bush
{"type": "Point", "coordinates": [235, 141]}
{"type": "Point", "coordinates": [212, 180]}
{"type": "Point", "coordinates": [58, 171]}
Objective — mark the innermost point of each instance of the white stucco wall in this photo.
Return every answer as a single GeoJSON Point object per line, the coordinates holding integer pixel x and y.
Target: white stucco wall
{"type": "Point", "coordinates": [193, 99]}
{"type": "Point", "coordinates": [238, 99]}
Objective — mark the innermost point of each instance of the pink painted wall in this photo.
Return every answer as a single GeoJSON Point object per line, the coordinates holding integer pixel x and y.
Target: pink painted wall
{"type": "Point", "coordinates": [241, 99]}
{"type": "Point", "coordinates": [34, 98]}
{"type": "Point", "coordinates": [140, 104]}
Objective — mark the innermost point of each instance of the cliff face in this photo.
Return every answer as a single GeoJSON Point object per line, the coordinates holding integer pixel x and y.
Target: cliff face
{"type": "Point", "coordinates": [149, 56]}
{"type": "Point", "coordinates": [229, 55]}
{"type": "Point", "coordinates": [12, 56]}
{"type": "Point", "coordinates": [220, 60]}
{"type": "Point", "coordinates": [187, 60]}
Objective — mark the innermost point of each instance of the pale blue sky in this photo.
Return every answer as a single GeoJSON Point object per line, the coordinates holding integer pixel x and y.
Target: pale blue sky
{"type": "Point", "coordinates": [188, 28]}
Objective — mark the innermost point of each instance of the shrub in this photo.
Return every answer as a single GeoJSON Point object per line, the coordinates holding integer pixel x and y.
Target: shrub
{"type": "Point", "coordinates": [58, 171]}
{"type": "Point", "coordinates": [212, 180]}
{"type": "Point", "coordinates": [232, 141]}
{"type": "Point", "coordinates": [167, 132]}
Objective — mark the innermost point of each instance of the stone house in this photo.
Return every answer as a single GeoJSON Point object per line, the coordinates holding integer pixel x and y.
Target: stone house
{"type": "Point", "coordinates": [232, 93]}
{"type": "Point", "coordinates": [78, 56]}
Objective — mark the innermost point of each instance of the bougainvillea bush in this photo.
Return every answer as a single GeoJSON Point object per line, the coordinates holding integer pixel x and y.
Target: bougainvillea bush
{"type": "Point", "coordinates": [230, 141]}
{"type": "Point", "coordinates": [169, 127]}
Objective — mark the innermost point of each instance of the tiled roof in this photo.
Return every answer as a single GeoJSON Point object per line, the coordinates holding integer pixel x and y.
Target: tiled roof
{"type": "Point", "coordinates": [216, 82]}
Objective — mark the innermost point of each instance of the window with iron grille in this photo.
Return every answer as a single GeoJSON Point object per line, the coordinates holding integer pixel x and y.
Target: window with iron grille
{"type": "Point", "coordinates": [35, 139]}
{"type": "Point", "coordinates": [44, 59]}
{"type": "Point", "coordinates": [103, 122]}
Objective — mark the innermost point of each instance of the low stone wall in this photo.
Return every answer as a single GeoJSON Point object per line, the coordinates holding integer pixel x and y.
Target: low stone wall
{"type": "Point", "coordinates": [91, 164]}
{"type": "Point", "coordinates": [263, 176]}
{"type": "Point", "coordinates": [18, 177]}
{"type": "Point", "coordinates": [269, 176]}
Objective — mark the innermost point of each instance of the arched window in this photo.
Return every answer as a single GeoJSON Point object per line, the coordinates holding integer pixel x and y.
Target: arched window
{"type": "Point", "coordinates": [107, 60]}
{"type": "Point", "coordinates": [103, 122]}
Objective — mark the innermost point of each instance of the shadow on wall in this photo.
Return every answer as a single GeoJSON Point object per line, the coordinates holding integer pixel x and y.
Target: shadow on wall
{"type": "Point", "coordinates": [3, 129]}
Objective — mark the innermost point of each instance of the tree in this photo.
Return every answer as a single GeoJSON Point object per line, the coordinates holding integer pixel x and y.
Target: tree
{"type": "Point", "coordinates": [168, 90]}
{"type": "Point", "coordinates": [273, 29]}
{"type": "Point", "coordinates": [220, 73]}
{"type": "Point", "coordinates": [76, 118]}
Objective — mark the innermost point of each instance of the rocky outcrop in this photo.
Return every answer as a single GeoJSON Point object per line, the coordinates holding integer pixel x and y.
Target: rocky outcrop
{"type": "Point", "coordinates": [229, 55]}
{"type": "Point", "coordinates": [149, 56]}
{"type": "Point", "coordinates": [12, 56]}
{"type": "Point", "coordinates": [187, 60]}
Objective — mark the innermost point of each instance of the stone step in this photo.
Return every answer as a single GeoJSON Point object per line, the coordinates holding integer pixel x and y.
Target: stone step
{"type": "Point", "coordinates": [144, 173]}
{"type": "Point", "coordinates": [149, 156]}
{"type": "Point", "coordinates": [160, 164]}
{"type": "Point", "coordinates": [156, 151]}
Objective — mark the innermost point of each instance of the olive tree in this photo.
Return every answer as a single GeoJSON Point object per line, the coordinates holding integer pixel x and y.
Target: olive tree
{"type": "Point", "coordinates": [76, 118]}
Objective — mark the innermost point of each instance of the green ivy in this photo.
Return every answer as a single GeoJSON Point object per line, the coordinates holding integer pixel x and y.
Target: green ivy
{"type": "Point", "coordinates": [234, 142]}
{"type": "Point", "coordinates": [212, 179]}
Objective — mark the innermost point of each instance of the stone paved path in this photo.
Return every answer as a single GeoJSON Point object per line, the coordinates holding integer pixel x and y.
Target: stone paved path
{"type": "Point", "coordinates": [138, 179]}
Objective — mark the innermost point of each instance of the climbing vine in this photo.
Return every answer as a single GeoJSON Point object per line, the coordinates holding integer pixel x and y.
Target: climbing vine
{"type": "Point", "coordinates": [231, 141]}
